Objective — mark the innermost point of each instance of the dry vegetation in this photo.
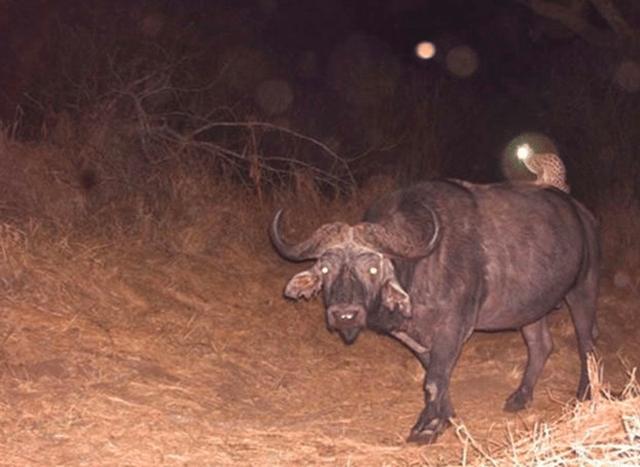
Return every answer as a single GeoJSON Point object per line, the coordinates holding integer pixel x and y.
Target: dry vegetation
{"type": "Point", "coordinates": [141, 322]}
{"type": "Point", "coordinates": [600, 432]}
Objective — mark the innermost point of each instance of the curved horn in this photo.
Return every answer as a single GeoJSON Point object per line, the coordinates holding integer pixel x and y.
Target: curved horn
{"type": "Point", "coordinates": [435, 236]}
{"type": "Point", "coordinates": [401, 236]}
{"type": "Point", "coordinates": [312, 247]}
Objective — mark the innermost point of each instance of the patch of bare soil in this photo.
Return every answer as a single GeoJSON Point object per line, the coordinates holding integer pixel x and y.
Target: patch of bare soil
{"type": "Point", "coordinates": [130, 355]}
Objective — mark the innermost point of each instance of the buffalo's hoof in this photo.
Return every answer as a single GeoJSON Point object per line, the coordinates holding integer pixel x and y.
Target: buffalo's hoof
{"type": "Point", "coordinates": [427, 433]}
{"type": "Point", "coordinates": [517, 401]}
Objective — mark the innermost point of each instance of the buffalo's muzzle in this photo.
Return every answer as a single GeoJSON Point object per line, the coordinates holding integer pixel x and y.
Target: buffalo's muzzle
{"type": "Point", "coordinates": [347, 319]}
{"type": "Point", "coordinates": [346, 316]}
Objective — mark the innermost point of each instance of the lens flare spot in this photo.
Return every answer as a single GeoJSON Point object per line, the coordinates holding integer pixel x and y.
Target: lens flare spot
{"type": "Point", "coordinates": [274, 96]}
{"type": "Point", "coordinates": [627, 76]}
{"type": "Point", "coordinates": [425, 50]}
{"type": "Point", "coordinates": [521, 147]}
{"type": "Point", "coordinates": [523, 151]}
{"type": "Point", "coordinates": [462, 61]}
{"type": "Point", "coordinates": [152, 24]}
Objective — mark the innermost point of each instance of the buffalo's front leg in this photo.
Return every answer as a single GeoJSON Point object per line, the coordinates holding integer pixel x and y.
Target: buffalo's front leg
{"type": "Point", "coordinates": [434, 418]}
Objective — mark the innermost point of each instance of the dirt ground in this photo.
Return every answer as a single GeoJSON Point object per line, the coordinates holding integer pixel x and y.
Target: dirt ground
{"type": "Point", "coordinates": [114, 354]}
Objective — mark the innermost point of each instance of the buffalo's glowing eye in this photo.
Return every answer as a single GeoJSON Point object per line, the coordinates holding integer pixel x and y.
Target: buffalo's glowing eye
{"type": "Point", "coordinates": [373, 270]}
{"type": "Point", "coordinates": [324, 270]}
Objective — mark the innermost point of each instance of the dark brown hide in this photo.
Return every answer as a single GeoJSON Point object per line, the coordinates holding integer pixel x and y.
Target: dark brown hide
{"type": "Point", "coordinates": [434, 262]}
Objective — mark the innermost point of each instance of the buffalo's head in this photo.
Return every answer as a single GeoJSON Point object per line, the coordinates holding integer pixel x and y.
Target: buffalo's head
{"type": "Point", "coordinates": [354, 267]}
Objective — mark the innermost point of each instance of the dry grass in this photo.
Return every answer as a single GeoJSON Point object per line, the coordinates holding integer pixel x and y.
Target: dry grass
{"type": "Point", "coordinates": [147, 327]}
{"type": "Point", "coordinates": [602, 431]}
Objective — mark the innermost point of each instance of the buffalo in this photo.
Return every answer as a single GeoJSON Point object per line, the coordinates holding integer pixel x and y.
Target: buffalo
{"type": "Point", "coordinates": [434, 262]}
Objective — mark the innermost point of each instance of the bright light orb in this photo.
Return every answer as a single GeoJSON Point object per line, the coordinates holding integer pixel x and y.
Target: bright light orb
{"type": "Point", "coordinates": [425, 50]}
{"type": "Point", "coordinates": [462, 61]}
{"type": "Point", "coordinates": [517, 154]}
{"type": "Point", "coordinates": [274, 96]}
{"type": "Point", "coordinates": [627, 76]}
{"type": "Point", "coordinates": [523, 151]}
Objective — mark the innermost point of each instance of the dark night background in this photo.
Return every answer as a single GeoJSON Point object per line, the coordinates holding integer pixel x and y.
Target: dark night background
{"type": "Point", "coordinates": [346, 74]}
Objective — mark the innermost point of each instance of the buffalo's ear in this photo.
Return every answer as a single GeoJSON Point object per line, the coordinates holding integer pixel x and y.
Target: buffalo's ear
{"type": "Point", "coordinates": [303, 285]}
{"type": "Point", "coordinates": [395, 298]}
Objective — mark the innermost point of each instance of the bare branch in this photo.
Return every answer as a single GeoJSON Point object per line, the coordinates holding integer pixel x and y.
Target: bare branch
{"type": "Point", "coordinates": [616, 22]}
{"type": "Point", "coordinates": [620, 33]}
{"type": "Point", "coordinates": [289, 131]}
{"type": "Point", "coordinates": [574, 21]}
{"type": "Point", "coordinates": [186, 144]}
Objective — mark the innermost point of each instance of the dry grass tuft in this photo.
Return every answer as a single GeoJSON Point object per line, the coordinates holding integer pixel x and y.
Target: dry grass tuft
{"type": "Point", "coordinates": [602, 431]}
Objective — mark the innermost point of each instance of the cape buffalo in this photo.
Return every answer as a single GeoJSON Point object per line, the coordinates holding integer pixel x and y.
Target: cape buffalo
{"type": "Point", "coordinates": [432, 263]}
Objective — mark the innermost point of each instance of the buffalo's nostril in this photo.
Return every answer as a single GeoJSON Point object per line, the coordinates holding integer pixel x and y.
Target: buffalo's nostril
{"type": "Point", "coordinates": [345, 315]}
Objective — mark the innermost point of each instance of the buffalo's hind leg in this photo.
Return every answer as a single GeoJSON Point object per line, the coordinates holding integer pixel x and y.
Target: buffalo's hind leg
{"type": "Point", "coordinates": [582, 305]}
{"type": "Point", "coordinates": [539, 346]}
